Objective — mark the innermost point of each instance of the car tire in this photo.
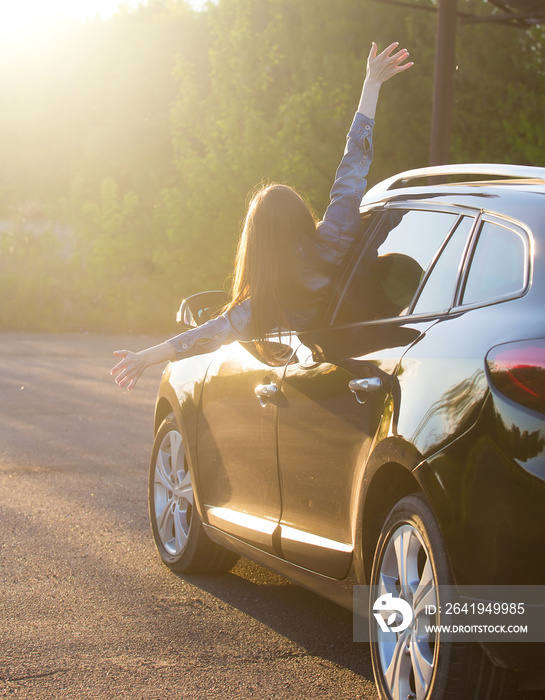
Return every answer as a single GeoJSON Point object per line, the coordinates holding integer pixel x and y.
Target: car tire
{"type": "Point", "coordinates": [408, 664]}
{"type": "Point", "coordinates": [177, 528]}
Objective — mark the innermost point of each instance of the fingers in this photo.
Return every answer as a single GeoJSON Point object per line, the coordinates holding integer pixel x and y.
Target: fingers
{"type": "Point", "coordinates": [400, 69]}
{"type": "Point", "coordinates": [124, 362]}
{"type": "Point", "coordinates": [127, 378]}
{"type": "Point", "coordinates": [397, 61]}
{"type": "Point", "coordinates": [396, 58]}
{"type": "Point", "coordinates": [401, 55]}
{"type": "Point", "coordinates": [121, 375]}
{"type": "Point", "coordinates": [130, 381]}
{"type": "Point", "coordinates": [132, 384]}
{"type": "Point", "coordinates": [127, 382]}
{"type": "Point", "coordinates": [386, 64]}
{"type": "Point", "coordinates": [373, 51]}
{"type": "Point", "coordinates": [117, 368]}
{"type": "Point", "coordinates": [119, 353]}
{"type": "Point", "coordinates": [388, 50]}
{"type": "Point", "coordinates": [128, 370]}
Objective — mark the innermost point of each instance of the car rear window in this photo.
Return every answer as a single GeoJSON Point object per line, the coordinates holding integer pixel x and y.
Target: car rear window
{"type": "Point", "coordinates": [498, 265]}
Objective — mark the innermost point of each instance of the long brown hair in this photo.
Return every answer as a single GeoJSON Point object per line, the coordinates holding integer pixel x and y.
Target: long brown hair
{"type": "Point", "coordinates": [278, 233]}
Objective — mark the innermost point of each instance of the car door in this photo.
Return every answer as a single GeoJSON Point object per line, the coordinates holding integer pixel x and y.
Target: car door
{"type": "Point", "coordinates": [236, 447]}
{"type": "Point", "coordinates": [335, 395]}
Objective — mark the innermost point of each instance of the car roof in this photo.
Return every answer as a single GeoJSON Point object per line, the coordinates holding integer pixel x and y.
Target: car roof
{"type": "Point", "coordinates": [518, 197]}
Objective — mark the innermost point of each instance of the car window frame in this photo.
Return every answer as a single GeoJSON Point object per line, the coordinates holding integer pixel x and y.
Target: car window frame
{"type": "Point", "coordinates": [406, 205]}
{"type": "Point", "coordinates": [351, 263]}
{"type": "Point", "coordinates": [513, 225]}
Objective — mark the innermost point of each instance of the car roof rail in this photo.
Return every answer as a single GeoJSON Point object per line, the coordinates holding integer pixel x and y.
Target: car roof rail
{"type": "Point", "coordinates": [506, 171]}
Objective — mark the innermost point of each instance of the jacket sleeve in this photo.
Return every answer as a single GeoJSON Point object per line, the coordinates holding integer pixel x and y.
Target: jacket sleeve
{"type": "Point", "coordinates": [230, 326]}
{"type": "Point", "coordinates": [341, 224]}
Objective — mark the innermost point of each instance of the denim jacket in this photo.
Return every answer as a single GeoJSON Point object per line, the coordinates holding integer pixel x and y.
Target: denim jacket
{"type": "Point", "coordinates": [336, 234]}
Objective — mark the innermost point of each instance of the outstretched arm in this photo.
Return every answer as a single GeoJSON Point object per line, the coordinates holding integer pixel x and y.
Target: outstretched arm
{"type": "Point", "coordinates": [226, 328]}
{"type": "Point", "coordinates": [129, 369]}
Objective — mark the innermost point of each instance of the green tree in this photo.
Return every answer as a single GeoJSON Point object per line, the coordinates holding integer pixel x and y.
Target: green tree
{"type": "Point", "coordinates": [142, 136]}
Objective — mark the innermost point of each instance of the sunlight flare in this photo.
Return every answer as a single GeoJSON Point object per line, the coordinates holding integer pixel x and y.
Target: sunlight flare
{"type": "Point", "coordinates": [23, 21]}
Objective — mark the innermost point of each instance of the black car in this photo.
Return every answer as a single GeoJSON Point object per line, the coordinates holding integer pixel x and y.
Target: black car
{"type": "Point", "coordinates": [401, 443]}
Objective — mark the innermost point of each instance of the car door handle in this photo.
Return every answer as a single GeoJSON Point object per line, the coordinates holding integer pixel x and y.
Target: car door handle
{"type": "Point", "coordinates": [367, 385]}
{"type": "Point", "coordinates": [265, 392]}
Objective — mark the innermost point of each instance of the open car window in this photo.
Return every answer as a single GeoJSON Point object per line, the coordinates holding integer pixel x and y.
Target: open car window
{"type": "Point", "coordinates": [390, 269]}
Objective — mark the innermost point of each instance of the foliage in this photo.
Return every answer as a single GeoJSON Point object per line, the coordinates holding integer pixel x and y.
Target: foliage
{"type": "Point", "coordinates": [130, 146]}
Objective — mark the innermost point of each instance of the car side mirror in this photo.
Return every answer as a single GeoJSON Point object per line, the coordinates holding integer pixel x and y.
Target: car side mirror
{"type": "Point", "coordinates": [199, 308]}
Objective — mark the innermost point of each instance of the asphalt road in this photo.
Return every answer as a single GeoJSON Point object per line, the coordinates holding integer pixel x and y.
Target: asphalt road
{"type": "Point", "coordinates": [86, 608]}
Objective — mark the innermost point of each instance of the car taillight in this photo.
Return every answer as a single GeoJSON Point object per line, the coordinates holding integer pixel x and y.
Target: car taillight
{"type": "Point", "coordinates": [518, 371]}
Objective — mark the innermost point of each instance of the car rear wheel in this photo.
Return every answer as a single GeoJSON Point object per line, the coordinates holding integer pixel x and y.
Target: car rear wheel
{"type": "Point", "coordinates": [179, 536]}
{"type": "Point", "coordinates": [410, 562]}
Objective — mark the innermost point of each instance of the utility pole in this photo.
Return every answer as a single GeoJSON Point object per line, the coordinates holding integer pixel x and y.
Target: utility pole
{"type": "Point", "coordinates": [513, 13]}
{"type": "Point", "coordinates": [443, 83]}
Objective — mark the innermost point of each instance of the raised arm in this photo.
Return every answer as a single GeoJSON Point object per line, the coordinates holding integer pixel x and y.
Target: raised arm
{"type": "Point", "coordinates": [380, 68]}
{"type": "Point", "coordinates": [341, 221]}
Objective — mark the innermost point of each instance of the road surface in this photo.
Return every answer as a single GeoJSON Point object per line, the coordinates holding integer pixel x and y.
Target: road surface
{"type": "Point", "coordinates": [87, 611]}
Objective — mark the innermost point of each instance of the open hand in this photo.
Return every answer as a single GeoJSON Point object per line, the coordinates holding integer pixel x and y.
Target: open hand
{"type": "Point", "coordinates": [129, 369]}
{"type": "Point", "coordinates": [385, 65]}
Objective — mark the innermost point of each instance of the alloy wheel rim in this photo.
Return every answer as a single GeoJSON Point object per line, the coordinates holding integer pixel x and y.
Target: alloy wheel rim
{"type": "Point", "coordinates": [407, 658]}
{"type": "Point", "coordinates": [172, 494]}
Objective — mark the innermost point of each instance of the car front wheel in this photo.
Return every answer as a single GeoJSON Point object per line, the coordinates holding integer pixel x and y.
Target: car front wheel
{"type": "Point", "coordinates": [410, 562]}
{"type": "Point", "coordinates": [179, 536]}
